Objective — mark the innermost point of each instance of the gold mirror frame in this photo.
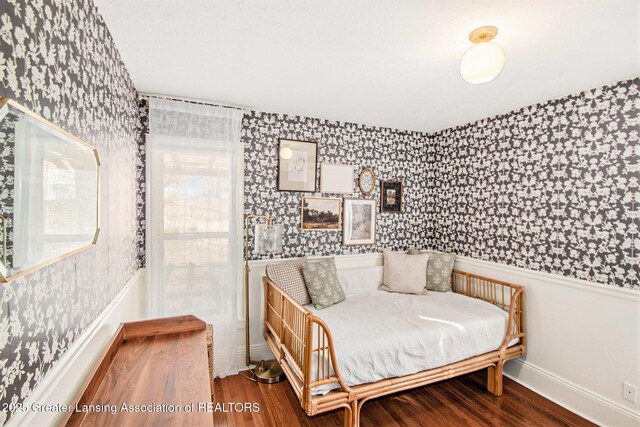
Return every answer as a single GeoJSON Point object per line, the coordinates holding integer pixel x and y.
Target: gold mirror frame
{"type": "Point", "coordinates": [4, 102]}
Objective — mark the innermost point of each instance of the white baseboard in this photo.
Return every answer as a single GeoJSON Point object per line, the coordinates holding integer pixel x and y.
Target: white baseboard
{"type": "Point", "coordinates": [575, 398]}
{"type": "Point", "coordinates": [64, 379]}
{"type": "Point", "coordinates": [258, 352]}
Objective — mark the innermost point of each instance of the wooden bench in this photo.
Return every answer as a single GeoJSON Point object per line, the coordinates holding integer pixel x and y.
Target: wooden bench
{"type": "Point", "coordinates": [156, 369]}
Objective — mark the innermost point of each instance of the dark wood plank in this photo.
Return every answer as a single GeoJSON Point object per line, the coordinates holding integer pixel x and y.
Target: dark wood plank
{"type": "Point", "coordinates": [164, 325]}
{"type": "Point", "coordinates": [461, 401]}
{"type": "Point", "coordinates": [162, 363]}
{"type": "Point", "coordinates": [167, 369]}
{"type": "Point", "coordinates": [94, 380]}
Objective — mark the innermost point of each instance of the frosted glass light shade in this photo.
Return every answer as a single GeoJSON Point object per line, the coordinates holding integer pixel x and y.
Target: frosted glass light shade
{"type": "Point", "coordinates": [268, 239]}
{"type": "Point", "coordinates": [482, 63]}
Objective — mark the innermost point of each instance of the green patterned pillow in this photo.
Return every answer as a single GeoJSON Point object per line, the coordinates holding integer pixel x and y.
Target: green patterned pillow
{"type": "Point", "coordinates": [322, 283]}
{"type": "Point", "coordinates": [439, 269]}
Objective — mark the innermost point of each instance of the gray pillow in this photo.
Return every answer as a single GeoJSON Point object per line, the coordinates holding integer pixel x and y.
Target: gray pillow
{"type": "Point", "coordinates": [404, 273]}
{"type": "Point", "coordinates": [322, 283]}
{"type": "Point", "coordinates": [439, 269]}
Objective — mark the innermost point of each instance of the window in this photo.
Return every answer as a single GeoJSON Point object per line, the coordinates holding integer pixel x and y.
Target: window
{"type": "Point", "coordinates": [194, 197]}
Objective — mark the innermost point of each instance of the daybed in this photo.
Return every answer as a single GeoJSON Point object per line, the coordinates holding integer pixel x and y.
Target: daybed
{"type": "Point", "coordinates": [383, 343]}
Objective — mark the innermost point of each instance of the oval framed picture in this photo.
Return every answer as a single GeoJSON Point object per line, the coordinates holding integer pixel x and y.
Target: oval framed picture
{"type": "Point", "coordinates": [367, 181]}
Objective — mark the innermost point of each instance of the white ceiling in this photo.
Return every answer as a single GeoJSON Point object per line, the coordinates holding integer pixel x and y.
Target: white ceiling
{"type": "Point", "coordinates": [377, 62]}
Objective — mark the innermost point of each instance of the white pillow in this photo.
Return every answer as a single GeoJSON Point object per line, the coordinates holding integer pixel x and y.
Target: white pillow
{"type": "Point", "coordinates": [361, 280]}
{"type": "Point", "coordinates": [405, 273]}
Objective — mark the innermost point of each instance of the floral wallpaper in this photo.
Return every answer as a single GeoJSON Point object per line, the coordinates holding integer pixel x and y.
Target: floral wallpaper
{"type": "Point", "coordinates": [7, 181]}
{"type": "Point", "coordinates": [392, 154]}
{"type": "Point", "coordinates": [141, 173]}
{"type": "Point", "coordinates": [58, 59]}
{"type": "Point", "coordinates": [553, 187]}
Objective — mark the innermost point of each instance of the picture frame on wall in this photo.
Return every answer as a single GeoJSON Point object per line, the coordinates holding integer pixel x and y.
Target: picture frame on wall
{"type": "Point", "coordinates": [297, 162]}
{"type": "Point", "coordinates": [391, 196]}
{"type": "Point", "coordinates": [359, 223]}
{"type": "Point", "coordinates": [367, 181]}
{"type": "Point", "coordinates": [321, 214]}
{"type": "Point", "coordinates": [336, 178]}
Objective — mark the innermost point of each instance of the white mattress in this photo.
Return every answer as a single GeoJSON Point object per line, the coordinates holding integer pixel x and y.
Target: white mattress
{"type": "Point", "coordinates": [384, 335]}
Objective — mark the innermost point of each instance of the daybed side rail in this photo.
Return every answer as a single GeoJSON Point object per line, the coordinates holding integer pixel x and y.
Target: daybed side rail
{"type": "Point", "coordinates": [304, 342]}
{"type": "Point", "coordinates": [507, 296]}
{"type": "Point", "coordinates": [324, 357]}
{"type": "Point", "coordinates": [287, 322]}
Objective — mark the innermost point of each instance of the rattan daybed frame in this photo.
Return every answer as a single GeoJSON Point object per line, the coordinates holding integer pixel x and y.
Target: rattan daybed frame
{"type": "Point", "coordinates": [289, 330]}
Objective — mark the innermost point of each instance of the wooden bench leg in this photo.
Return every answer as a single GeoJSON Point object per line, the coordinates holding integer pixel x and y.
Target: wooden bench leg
{"type": "Point", "coordinates": [494, 379]}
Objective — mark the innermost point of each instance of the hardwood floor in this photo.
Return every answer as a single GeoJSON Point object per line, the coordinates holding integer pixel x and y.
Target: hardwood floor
{"type": "Point", "coordinates": [462, 401]}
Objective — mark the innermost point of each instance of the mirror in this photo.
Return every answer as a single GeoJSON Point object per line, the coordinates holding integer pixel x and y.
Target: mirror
{"type": "Point", "coordinates": [49, 192]}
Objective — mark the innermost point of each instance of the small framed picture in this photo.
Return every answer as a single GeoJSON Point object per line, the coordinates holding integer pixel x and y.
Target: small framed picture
{"type": "Point", "coordinates": [359, 225]}
{"type": "Point", "coordinates": [391, 196]}
{"type": "Point", "coordinates": [335, 178]}
{"type": "Point", "coordinates": [321, 213]}
{"type": "Point", "coordinates": [297, 165]}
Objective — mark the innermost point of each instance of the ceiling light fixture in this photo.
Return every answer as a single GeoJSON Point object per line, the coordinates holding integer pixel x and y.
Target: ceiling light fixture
{"type": "Point", "coordinates": [483, 61]}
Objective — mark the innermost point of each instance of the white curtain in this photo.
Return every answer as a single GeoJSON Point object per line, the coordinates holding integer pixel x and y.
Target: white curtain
{"type": "Point", "coordinates": [194, 217]}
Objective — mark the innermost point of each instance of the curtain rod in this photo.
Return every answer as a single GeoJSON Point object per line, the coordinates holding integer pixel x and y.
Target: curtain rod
{"type": "Point", "coordinates": [200, 101]}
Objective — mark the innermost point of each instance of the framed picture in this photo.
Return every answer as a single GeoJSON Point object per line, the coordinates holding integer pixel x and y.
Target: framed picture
{"type": "Point", "coordinates": [391, 196]}
{"type": "Point", "coordinates": [367, 181]}
{"type": "Point", "coordinates": [359, 225]}
{"type": "Point", "coordinates": [321, 213]}
{"type": "Point", "coordinates": [297, 165]}
{"type": "Point", "coordinates": [335, 178]}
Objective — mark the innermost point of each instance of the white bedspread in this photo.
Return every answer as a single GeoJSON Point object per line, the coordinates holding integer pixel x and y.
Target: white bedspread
{"type": "Point", "coordinates": [383, 335]}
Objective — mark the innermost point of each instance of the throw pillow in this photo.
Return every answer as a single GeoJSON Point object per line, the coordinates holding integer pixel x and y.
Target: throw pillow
{"type": "Point", "coordinates": [404, 273]}
{"type": "Point", "coordinates": [322, 282]}
{"type": "Point", "coordinates": [416, 251]}
{"type": "Point", "coordinates": [288, 276]}
{"type": "Point", "coordinates": [439, 271]}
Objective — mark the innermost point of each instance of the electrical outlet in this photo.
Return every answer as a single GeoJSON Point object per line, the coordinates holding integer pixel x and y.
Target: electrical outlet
{"type": "Point", "coordinates": [630, 392]}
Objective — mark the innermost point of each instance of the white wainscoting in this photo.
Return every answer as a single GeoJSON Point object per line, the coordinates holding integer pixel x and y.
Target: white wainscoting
{"type": "Point", "coordinates": [67, 376]}
{"type": "Point", "coordinates": [583, 337]}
